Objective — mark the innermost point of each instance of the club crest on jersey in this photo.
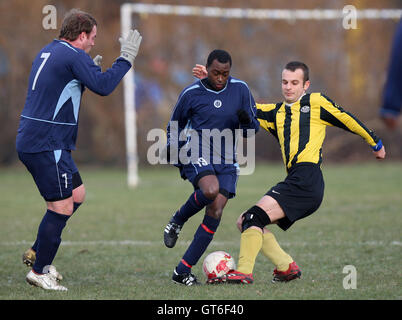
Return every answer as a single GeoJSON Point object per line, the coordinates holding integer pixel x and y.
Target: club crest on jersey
{"type": "Point", "coordinates": [217, 104]}
{"type": "Point", "coordinates": [305, 109]}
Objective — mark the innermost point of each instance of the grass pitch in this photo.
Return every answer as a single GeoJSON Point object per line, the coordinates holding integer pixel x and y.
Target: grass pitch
{"type": "Point", "coordinates": [113, 245]}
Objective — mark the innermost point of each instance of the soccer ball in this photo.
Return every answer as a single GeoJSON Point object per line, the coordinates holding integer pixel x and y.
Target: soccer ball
{"type": "Point", "coordinates": [217, 264]}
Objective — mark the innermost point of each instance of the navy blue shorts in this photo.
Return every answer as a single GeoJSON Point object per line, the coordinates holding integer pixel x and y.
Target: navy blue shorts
{"type": "Point", "coordinates": [227, 175]}
{"type": "Point", "coordinates": [54, 173]}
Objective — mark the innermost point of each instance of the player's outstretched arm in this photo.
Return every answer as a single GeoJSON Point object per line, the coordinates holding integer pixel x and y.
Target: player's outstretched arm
{"type": "Point", "coordinates": [103, 83]}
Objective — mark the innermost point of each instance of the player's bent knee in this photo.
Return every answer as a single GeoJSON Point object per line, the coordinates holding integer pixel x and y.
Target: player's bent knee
{"type": "Point", "coordinates": [255, 217]}
{"type": "Point", "coordinates": [65, 206]}
{"type": "Point", "coordinates": [209, 186]}
{"type": "Point", "coordinates": [211, 192]}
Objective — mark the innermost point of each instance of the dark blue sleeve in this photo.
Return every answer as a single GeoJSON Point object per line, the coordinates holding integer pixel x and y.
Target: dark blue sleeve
{"type": "Point", "coordinates": [392, 99]}
{"type": "Point", "coordinates": [92, 77]}
{"type": "Point", "coordinates": [249, 106]}
{"type": "Point", "coordinates": [179, 118]}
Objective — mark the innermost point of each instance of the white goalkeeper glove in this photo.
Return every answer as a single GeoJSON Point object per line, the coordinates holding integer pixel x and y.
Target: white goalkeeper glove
{"type": "Point", "coordinates": [98, 60]}
{"type": "Point", "coordinates": [130, 46]}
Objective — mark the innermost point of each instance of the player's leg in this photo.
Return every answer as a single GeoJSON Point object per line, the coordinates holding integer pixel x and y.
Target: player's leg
{"type": "Point", "coordinates": [271, 208]}
{"type": "Point", "coordinates": [250, 224]}
{"type": "Point", "coordinates": [204, 234]}
{"type": "Point", "coordinates": [205, 194]}
{"type": "Point", "coordinates": [29, 256]}
{"type": "Point", "coordinates": [206, 188]}
{"type": "Point", "coordinates": [273, 251]}
{"type": "Point", "coordinates": [255, 237]}
{"type": "Point", "coordinates": [78, 194]}
{"type": "Point", "coordinates": [299, 196]}
{"type": "Point", "coordinates": [295, 198]}
{"type": "Point", "coordinates": [270, 247]}
{"type": "Point", "coordinates": [253, 222]}
{"type": "Point", "coordinates": [60, 206]}
{"type": "Point", "coordinates": [227, 176]}
{"type": "Point", "coordinates": [50, 230]}
{"type": "Point", "coordinates": [53, 176]}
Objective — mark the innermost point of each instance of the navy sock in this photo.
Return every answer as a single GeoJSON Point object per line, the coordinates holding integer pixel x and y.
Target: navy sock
{"type": "Point", "coordinates": [202, 239]}
{"type": "Point", "coordinates": [48, 239]}
{"type": "Point", "coordinates": [76, 206]}
{"type": "Point", "coordinates": [195, 203]}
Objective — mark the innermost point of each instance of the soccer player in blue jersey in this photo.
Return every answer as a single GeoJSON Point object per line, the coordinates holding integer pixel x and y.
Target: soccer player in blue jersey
{"type": "Point", "coordinates": [392, 99]}
{"type": "Point", "coordinates": [48, 129]}
{"type": "Point", "coordinates": [223, 104]}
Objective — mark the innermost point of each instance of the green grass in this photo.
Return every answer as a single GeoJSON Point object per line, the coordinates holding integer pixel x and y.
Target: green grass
{"type": "Point", "coordinates": [113, 246]}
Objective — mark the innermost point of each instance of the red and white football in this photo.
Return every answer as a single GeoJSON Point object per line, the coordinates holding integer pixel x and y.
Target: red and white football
{"type": "Point", "coordinates": [217, 264]}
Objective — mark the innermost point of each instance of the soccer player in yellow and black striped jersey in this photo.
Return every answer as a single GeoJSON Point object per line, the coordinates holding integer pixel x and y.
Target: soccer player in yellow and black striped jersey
{"type": "Point", "coordinates": [299, 125]}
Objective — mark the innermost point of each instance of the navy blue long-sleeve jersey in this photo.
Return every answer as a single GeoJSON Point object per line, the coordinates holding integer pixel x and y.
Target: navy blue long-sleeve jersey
{"type": "Point", "coordinates": [59, 75]}
{"type": "Point", "coordinates": [199, 108]}
{"type": "Point", "coordinates": [392, 99]}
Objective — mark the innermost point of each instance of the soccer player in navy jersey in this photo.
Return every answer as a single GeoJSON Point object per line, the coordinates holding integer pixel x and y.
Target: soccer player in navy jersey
{"type": "Point", "coordinates": [48, 129]}
{"type": "Point", "coordinates": [392, 96]}
{"type": "Point", "coordinates": [221, 104]}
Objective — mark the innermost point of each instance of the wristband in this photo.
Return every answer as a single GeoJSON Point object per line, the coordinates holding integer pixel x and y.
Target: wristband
{"type": "Point", "coordinates": [378, 146]}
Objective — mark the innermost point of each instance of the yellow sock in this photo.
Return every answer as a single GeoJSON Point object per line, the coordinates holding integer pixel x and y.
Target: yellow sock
{"type": "Point", "coordinates": [272, 250]}
{"type": "Point", "coordinates": [250, 245]}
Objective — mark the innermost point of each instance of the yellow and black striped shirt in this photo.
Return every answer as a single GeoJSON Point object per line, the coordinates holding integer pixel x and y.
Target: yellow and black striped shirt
{"type": "Point", "coordinates": [300, 127]}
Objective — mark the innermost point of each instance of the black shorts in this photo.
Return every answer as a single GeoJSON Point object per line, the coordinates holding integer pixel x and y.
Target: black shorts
{"type": "Point", "coordinates": [300, 194]}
